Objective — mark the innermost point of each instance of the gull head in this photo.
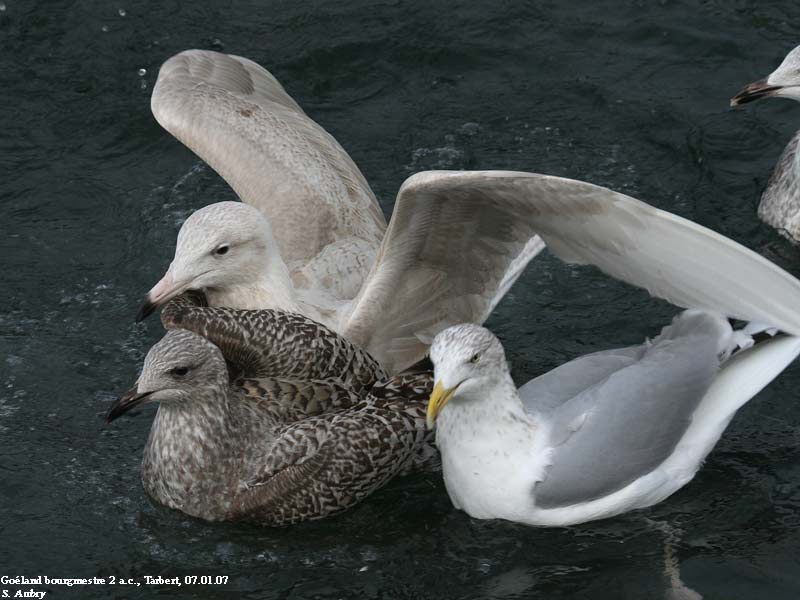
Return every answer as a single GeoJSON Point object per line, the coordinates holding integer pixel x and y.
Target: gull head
{"type": "Point", "coordinates": [181, 366]}
{"type": "Point", "coordinates": [783, 81]}
{"type": "Point", "coordinates": [466, 360]}
{"type": "Point", "coordinates": [219, 246]}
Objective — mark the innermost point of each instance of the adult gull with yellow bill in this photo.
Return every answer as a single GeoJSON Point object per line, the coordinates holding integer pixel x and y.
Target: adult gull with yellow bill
{"type": "Point", "coordinates": [620, 429]}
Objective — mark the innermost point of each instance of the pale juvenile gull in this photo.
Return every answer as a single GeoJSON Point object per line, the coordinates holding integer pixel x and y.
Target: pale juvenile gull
{"type": "Point", "coordinates": [307, 427]}
{"type": "Point", "coordinates": [311, 237]}
{"type": "Point", "coordinates": [621, 429]}
{"type": "Point", "coordinates": [780, 202]}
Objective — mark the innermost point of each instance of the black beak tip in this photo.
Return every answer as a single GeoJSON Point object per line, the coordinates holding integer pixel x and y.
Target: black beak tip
{"type": "Point", "coordinates": [740, 99]}
{"type": "Point", "coordinates": [115, 410]}
{"type": "Point", "coordinates": [145, 310]}
{"type": "Point", "coordinates": [754, 91]}
{"type": "Point", "coordinates": [125, 403]}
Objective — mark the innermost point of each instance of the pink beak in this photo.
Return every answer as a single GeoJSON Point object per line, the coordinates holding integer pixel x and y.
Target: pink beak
{"type": "Point", "coordinates": [162, 292]}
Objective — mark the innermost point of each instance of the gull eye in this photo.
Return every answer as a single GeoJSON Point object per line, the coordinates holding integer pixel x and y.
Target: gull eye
{"type": "Point", "coordinates": [475, 358]}
{"type": "Point", "coordinates": [222, 250]}
{"type": "Point", "coordinates": [179, 371]}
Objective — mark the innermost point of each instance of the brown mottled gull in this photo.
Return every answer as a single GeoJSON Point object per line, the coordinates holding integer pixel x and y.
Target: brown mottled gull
{"type": "Point", "coordinates": [780, 202]}
{"type": "Point", "coordinates": [307, 428]}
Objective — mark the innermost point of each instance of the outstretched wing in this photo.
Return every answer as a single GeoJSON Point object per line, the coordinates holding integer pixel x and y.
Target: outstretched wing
{"type": "Point", "coordinates": [452, 250]}
{"type": "Point", "coordinates": [453, 234]}
{"type": "Point", "coordinates": [669, 256]}
{"type": "Point", "coordinates": [236, 116]}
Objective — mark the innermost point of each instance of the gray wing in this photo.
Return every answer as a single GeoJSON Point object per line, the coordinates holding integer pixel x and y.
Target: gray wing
{"type": "Point", "coordinates": [627, 424]}
{"type": "Point", "coordinates": [236, 116]}
{"type": "Point", "coordinates": [550, 390]}
{"type": "Point", "coordinates": [272, 343]}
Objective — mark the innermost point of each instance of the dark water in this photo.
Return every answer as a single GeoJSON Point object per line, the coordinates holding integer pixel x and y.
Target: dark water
{"type": "Point", "coordinates": [632, 95]}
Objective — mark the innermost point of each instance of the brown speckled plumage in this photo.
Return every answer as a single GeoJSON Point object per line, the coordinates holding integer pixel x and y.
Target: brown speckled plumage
{"type": "Point", "coordinates": [308, 427]}
{"type": "Point", "coordinates": [274, 343]}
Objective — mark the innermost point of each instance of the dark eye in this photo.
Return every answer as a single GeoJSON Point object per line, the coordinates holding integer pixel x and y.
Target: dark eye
{"type": "Point", "coordinates": [475, 358]}
{"type": "Point", "coordinates": [179, 371]}
{"type": "Point", "coordinates": [222, 250]}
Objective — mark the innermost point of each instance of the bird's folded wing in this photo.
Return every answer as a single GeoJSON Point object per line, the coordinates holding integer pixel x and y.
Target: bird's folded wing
{"type": "Point", "coordinates": [273, 343]}
{"type": "Point", "coordinates": [627, 424]}
{"type": "Point", "coordinates": [455, 244]}
{"type": "Point", "coordinates": [326, 464]}
{"type": "Point", "coordinates": [550, 390]}
{"type": "Point", "coordinates": [290, 400]}
{"type": "Point", "coordinates": [408, 393]}
{"type": "Point", "coordinates": [236, 116]}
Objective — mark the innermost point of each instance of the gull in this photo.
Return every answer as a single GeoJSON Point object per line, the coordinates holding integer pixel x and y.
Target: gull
{"type": "Point", "coordinates": [310, 236]}
{"type": "Point", "coordinates": [780, 203]}
{"type": "Point", "coordinates": [254, 426]}
{"type": "Point", "coordinates": [621, 429]}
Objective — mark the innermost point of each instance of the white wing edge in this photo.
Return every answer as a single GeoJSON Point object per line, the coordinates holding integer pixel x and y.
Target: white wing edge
{"type": "Point", "coordinates": [738, 381]}
{"type": "Point", "coordinates": [532, 249]}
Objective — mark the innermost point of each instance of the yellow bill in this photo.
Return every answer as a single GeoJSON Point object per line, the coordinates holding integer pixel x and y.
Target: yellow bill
{"type": "Point", "coordinates": [439, 397]}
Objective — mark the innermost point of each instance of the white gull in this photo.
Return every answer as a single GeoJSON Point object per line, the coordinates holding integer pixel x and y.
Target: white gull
{"type": "Point", "coordinates": [620, 429]}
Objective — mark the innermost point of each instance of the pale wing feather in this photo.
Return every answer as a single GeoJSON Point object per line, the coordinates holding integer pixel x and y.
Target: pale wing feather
{"type": "Point", "coordinates": [627, 424]}
{"type": "Point", "coordinates": [453, 232]}
{"type": "Point", "coordinates": [531, 250]}
{"type": "Point", "coordinates": [236, 116]}
{"type": "Point", "coordinates": [669, 256]}
{"type": "Point", "coordinates": [450, 253]}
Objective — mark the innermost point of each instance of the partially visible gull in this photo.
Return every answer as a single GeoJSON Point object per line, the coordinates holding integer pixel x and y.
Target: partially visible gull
{"type": "Point", "coordinates": [269, 417]}
{"type": "Point", "coordinates": [780, 203]}
{"type": "Point", "coordinates": [311, 237]}
{"type": "Point", "coordinates": [621, 429]}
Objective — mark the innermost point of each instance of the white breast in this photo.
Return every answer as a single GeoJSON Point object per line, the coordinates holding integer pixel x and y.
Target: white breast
{"type": "Point", "coordinates": [489, 476]}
